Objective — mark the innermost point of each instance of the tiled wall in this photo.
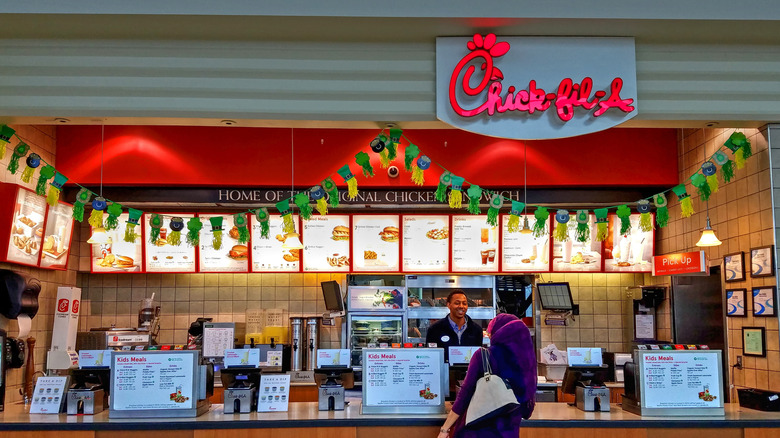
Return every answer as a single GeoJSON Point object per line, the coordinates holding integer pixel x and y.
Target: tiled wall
{"type": "Point", "coordinates": [741, 214]}
{"type": "Point", "coordinates": [41, 140]}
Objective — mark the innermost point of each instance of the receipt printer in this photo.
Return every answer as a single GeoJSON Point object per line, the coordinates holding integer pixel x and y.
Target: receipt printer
{"type": "Point", "coordinates": [592, 398]}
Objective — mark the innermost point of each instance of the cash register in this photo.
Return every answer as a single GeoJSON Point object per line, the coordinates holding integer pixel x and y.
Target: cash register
{"type": "Point", "coordinates": [241, 380]}
{"type": "Point", "coordinates": [90, 383]}
{"type": "Point", "coordinates": [331, 391]}
{"type": "Point", "coordinates": [586, 383]}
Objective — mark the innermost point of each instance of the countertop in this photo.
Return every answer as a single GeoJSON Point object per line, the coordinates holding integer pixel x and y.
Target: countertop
{"type": "Point", "coordinates": [558, 415]}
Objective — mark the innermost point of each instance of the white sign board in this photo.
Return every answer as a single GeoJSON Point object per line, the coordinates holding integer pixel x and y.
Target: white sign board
{"type": "Point", "coordinates": [94, 358]}
{"type": "Point", "coordinates": [152, 381]}
{"type": "Point", "coordinates": [681, 379]}
{"type": "Point", "coordinates": [403, 378]}
{"type": "Point", "coordinates": [462, 355]}
{"type": "Point", "coordinates": [49, 394]}
{"type": "Point", "coordinates": [243, 357]}
{"type": "Point", "coordinates": [584, 356]}
{"type": "Point", "coordinates": [332, 358]}
{"type": "Point", "coordinates": [274, 393]}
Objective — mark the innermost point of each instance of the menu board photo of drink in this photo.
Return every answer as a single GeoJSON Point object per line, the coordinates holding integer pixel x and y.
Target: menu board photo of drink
{"type": "Point", "coordinates": [164, 254]}
{"type": "Point", "coordinates": [26, 228]}
{"type": "Point", "coordinates": [232, 256]}
{"type": "Point", "coordinates": [326, 244]}
{"type": "Point", "coordinates": [524, 252]}
{"type": "Point", "coordinates": [474, 244]}
{"type": "Point", "coordinates": [426, 243]}
{"type": "Point", "coordinates": [576, 253]}
{"type": "Point", "coordinates": [57, 236]}
{"type": "Point", "coordinates": [375, 243]}
{"type": "Point", "coordinates": [113, 253]}
{"type": "Point", "coordinates": [631, 251]}
{"type": "Point", "coordinates": [268, 254]}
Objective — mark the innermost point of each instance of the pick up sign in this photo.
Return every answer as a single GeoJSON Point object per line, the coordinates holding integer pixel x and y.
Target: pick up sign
{"type": "Point", "coordinates": [682, 263]}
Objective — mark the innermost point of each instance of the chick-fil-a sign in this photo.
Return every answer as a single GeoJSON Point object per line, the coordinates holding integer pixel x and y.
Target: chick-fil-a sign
{"type": "Point", "coordinates": [535, 87]}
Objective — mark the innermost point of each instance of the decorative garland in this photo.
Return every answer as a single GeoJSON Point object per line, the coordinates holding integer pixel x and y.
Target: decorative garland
{"type": "Point", "coordinates": [705, 181]}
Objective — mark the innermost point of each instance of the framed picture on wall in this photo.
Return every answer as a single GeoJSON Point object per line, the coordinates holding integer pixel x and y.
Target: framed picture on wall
{"type": "Point", "coordinates": [734, 267]}
{"type": "Point", "coordinates": [764, 301]}
{"type": "Point", "coordinates": [762, 261]}
{"type": "Point", "coordinates": [736, 302]}
{"type": "Point", "coordinates": [753, 341]}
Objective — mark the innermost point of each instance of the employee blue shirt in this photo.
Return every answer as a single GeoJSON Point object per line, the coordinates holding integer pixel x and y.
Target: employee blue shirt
{"type": "Point", "coordinates": [455, 328]}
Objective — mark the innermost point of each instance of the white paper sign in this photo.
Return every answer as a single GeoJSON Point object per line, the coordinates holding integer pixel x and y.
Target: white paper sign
{"type": "Point", "coordinates": [763, 301]}
{"type": "Point", "coordinates": [274, 393]}
{"type": "Point", "coordinates": [584, 356]}
{"type": "Point", "coordinates": [331, 358]}
{"type": "Point", "coordinates": [49, 394]}
{"type": "Point", "coordinates": [94, 358]}
{"type": "Point", "coordinates": [675, 380]}
{"type": "Point", "coordinates": [402, 377]}
{"type": "Point", "coordinates": [217, 339]}
{"type": "Point", "coordinates": [144, 381]}
{"type": "Point", "coordinates": [462, 355]}
{"type": "Point", "coordinates": [242, 357]}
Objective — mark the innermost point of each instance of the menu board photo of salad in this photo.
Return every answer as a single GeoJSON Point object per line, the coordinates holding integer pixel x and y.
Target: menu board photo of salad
{"type": "Point", "coordinates": [375, 243]}
{"type": "Point", "coordinates": [326, 244]}
{"type": "Point", "coordinates": [576, 254]}
{"type": "Point", "coordinates": [117, 254]}
{"type": "Point", "coordinates": [631, 251]}
{"type": "Point", "coordinates": [57, 236]}
{"type": "Point", "coordinates": [524, 252]}
{"type": "Point", "coordinates": [426, 243]}
{"type": "Point", "coordinates": [164, 254]}
{"type": "Point", "coordinates": [232, 256]}
{"type": "Point", "coordinates": [474, 244]}
{"type": "Point", "coordinates": [267, 253]}
{"type": "Point", "coordinates": [26, 228]}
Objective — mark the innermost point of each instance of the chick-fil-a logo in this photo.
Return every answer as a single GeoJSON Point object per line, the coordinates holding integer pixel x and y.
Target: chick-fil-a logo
{"type": "Point", "coordinates": [569, 96]}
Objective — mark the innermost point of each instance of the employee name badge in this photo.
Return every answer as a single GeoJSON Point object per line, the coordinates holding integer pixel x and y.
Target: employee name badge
{"type": "Point", "coordinates": [584, 356]}
{"type": "Point", "coordinates": [242, 357]}
{"type": "Point", "coordinates": [274, 393]}
{"type": "Point", "coordinates": [94, 358]}
{"type": "Point", "coordinates": [332, 358]}
{"type": "Point", "coordinates": [49, 395]}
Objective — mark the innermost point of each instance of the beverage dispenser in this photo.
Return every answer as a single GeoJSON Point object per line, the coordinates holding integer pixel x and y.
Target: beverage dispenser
{"type": "Point", "coordinates": [298, 346]}
{"type": "Point", "coordinates": [312, 341]}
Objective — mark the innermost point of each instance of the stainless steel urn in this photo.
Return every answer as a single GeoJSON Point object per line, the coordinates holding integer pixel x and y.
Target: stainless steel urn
{"type": "Point", "coordinates": [297, 342]}
{"type": "Point", "coordinates": [312, 343]}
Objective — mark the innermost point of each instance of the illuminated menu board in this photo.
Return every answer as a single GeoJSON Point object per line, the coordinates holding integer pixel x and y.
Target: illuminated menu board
{"type": "Point", "coordinates": [326, 244]}
{"type": "Point", "coordinates": [375, 243]}
{"type": "Point", "coordinates": [232, 256]}
{"type": "Point", "coordinates": [26, 228]}
{"type": "Point", "coordinates": [524, 252]}
{"type": "Point", "coordinates": [574, 255]}
{"type": "Point", "coordinates": [119, 255]}
{"type": "Point", "coordinates": [162, 256]}
{"type": "Point", "coordinates": [426, 243]}
{"type": "Point", "coordinates": [474, 244]}
{"type": "Point", "coordinates": [629, 252]}
{"type": "Point", "coordinates": [57, 236]}
{"type": "Point", "coordinates": [268, 254]}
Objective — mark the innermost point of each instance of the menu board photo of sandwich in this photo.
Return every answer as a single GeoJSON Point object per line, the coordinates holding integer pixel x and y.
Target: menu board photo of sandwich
{"type": "Point", "coordinates": [474, 244]}
{"type": "Point", "coordinates": [267, 253]}
{"type": "Point", "coordinates": [375, 243]}
{"type": "Point", "coordinates": [232, 256]}
{"type": "Point", "coordinates": [524, 252]}
{"type": "Point", "coordinates": [56, 238]}
{"type": "Point", "coordinates": [26, 228]}
{"type": "Point", "coordinates": [164, 255]}
{"type": "Point", "coordinates": [116, 254]}
{"type": "Point", "coordinates": [426, 243]}
{"type": "Point", "coordinates": [326, 244]}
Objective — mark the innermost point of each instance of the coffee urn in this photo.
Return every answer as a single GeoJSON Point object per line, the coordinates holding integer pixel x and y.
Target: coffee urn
{"type": "Point", "coordinates": [296, 339]}
{"type": "Point", "coordinates": [312, 341]}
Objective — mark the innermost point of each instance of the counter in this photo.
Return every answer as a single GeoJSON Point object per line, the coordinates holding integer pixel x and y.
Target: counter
{"type": "Point", "coordinates": [549, 419]}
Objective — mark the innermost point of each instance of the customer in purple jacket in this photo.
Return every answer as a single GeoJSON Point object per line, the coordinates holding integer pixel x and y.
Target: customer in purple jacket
{"type": "Point", "coordinates": [513, 358]}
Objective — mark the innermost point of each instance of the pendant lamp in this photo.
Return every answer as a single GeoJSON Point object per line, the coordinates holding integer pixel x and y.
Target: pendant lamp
{"type": "Point", "coordinates": [708, 237]}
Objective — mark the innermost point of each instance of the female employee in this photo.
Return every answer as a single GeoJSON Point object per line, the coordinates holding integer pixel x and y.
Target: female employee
{"type": "Point", "coordinates": [512, 358]}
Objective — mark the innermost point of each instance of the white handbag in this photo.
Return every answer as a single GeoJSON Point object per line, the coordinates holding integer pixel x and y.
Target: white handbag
{"type": "Point", "coordinates": [492, 396]}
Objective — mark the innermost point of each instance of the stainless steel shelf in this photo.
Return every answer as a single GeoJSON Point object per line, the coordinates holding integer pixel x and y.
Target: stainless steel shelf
{"type": "Point", "coordinates": [441, 312]}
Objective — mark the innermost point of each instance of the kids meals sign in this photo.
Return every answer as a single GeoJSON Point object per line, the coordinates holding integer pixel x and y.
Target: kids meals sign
{"type": "Point", "coordinates": [535, 87]}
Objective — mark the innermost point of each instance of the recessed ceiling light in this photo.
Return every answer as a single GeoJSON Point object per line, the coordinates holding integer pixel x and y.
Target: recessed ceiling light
{"type": "Point", "coordinates": [711, 124]}
{"type": "Point", "coordinates": [228, 122]}
{"type": "Point", "coordinates": [62, 120]}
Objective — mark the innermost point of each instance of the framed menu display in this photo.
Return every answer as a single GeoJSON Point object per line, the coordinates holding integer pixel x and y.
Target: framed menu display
{"type": "Point", "coordinates": [375, 243]}
{"type": "Point", "coordinates": [57, 236]}
{"type": "Point", "coordinates": [161, 256]}
{"type": "Point", "coordinates": [232, 256]}
{"type": "Point", "coordinates": [268, 254]}
{"type": "Point", "coordinates": [118, 255]}
{"type": "Point", "coordinates": [524, 252]}
{"type": "Point", "coordinates": [629, 252]}
{"type": "Point", "coordinates": [474, 244]}
{"type": "Point", "coordinates": [26, 229]}
{"type": "Point", "coordinates": [574, 255]}
{"type": "Point", "coordinates": [408, 380]}
{"type": "Point", "coordinates": [326, 244]}
{"type": "Point", "coordinates": [426, 243]}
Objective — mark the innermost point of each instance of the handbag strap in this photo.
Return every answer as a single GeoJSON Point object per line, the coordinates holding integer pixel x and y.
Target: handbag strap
{"type": "Point", "coordinates": [486, 362]}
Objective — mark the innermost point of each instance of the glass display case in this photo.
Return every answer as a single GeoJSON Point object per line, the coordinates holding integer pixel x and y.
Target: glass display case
{"type": "Point", "coordinates": [373, 331]}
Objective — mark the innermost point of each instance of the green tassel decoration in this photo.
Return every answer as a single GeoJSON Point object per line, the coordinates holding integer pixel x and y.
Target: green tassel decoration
{"type": "Point", "coordinates": [418, 172]}
{"type": "Point", "coordinates": [444, 182]}
{"type": "Point", "coordinates": [474, 194]}
{"type": "Point", "coordinates": [496, 201]}
{"type": "Point", "coordinates": [113, 210]}
{"type": "Point", "coordinates": [513, 225]}
{"type": "Point", "coordinates": [287, 221]}
{"type": "Point", "coordinates": [384, 161]}
{"type": "Point", "coordinates": [726, 165]}
{"type": "Point", "coordinates": [349, 178]}
{"type": "Point", "coordinates": [6, 132]}
{"type": "Point", "coordinates": [96, 217]}
{"type": "Point", "coordinates": [456, 194]}
{"type": "Point", "coordinates": [239, 220]}
{"type": "Point", "coordinates": [624, 213]}
{"type": "Point", "coordinates": [583, 231]}
{"type": "Point", "coordinates": [155, 223]}
{"type": "Point", "coordinates": [302, 201]}
{"type": "Point", "coordinates": [700, 182]}
{"type": "Point", "coordinates": [263, 217]}
{"type": "Point", "coordinates": [392, 146]}
{"type": "Point", "coordinates": [709, 170]}
{"type": "Point", "coordinates": [55, 187]}
{"type": "Point", "coordinates": [661, 210]}
{"type": "Point", "coordinates": [645, 221]}
{"type": "Point", "coordinates": [194, 225]}
{"type": "Point", "coordinates": [740, 147]}
{"type": "Point", "coordinates": [318, 195]}
{"type": "Point", "coordinates": [602, 226]}
{"type": "Point", "coordinates": [134, 216]}
{"type": "Point", "coordinates": [686, 205]}
{"type": "Point", "coordinates": [82, 197]}
{"type": "Point", "coordinates": [20, 150]}
{"type": "Point", "coordinates": [363, 160]}
{"type": "Point", "coordinates": [216, 231]}
{"type": "Point", "coordinates": [540, 225]}
{"type": "Point", "coordinates": [410, 153]}
{"type": "Point", "coordinates": [562, 226]}
{"type": "Point", "coordinates": [174, 237]}
{"type": "Point", "coordinates": [333, 192]}
{"type": "Point", "coordinates": [46, 173]}
{"type": "Point", "coordinates": [33, 161]}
